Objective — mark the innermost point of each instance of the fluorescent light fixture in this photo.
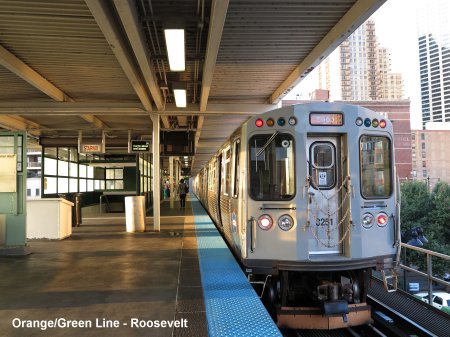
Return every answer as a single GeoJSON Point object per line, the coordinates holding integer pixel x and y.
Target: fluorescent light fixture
{"type": "Point", "coordinates": [175, 48]}
{"type": "Point", "coordinates": [180, 97]}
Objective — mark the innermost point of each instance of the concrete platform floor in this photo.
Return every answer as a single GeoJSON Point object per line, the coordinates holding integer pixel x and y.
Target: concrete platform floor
{"type": "Point", "coordinates": [102, 272]}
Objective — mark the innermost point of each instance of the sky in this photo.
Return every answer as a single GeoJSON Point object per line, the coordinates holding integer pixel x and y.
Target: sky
{"type": "Point", "coordinates": [396, 29]}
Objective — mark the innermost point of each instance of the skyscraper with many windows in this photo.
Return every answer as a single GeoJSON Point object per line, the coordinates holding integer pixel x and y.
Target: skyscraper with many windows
{"type": "Point", "coordinates": [364, 68]}
{"type": "Point", "coordinates": [434, 58]}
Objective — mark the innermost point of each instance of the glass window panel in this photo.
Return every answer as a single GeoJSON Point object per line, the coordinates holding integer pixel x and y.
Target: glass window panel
{"type": "Point", "coordinates": [90, 185]}
{"type": "Point", "coordinates": [63, 185]}
{"type": "Point", "coordinates": [73, 170]}
{"type": "Point", "coordinates": [322, 168]}
{"type": "Point", "coordinates": [7, 150]}
{"type": "Point", "coordinates": [82, 185]}
{"type": "Point", "coordinates": [49, 185]}
{"type": "Point", "coordinates": [50, 166]}
{"type": "Point", "coordinates": [63, 153]}
{"type": "Point", "coordinates": [118, 173]}
{"type": "Point", "coordinates": [272, 171]}
{"type": "Point", "coordinates": [375, 153]}
{"type": "Point", "coordinates": [90, 172]}
{"type": "Point", "coordinates": [118, 185]}
{"type": "Point", "coordinates": [6, 141]}
{"type": "Point", "coordinates": [110, 184]}
{"type": "Point", "coordinates": [50, 152]}
{"type": "Point", "coordinates": [73, 154]}
{"type": "Point", "coordinates": [63, 168]}
{"type": "Point", "coordinates": [99, 184]}
{"type": "Point", "coordinates": [109, 173]}
{"type": "Point", "coordinates": [83, 172]}
{"type": "Point", "coordinates": [237, 151]}
{"type": "Point", "coordinates": [73, 185]}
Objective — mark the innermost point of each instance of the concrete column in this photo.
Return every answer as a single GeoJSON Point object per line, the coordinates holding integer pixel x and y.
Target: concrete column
{"type": "Point", "coordinates": [155, 173]}
{"type": "Point", "coordinates": [171, 180]}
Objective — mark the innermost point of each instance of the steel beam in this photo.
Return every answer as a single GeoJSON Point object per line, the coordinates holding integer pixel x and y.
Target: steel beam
{"type": "Point", "coordinates": [130, 20]}
{"type": "Point", "coordinates": [110, 28]}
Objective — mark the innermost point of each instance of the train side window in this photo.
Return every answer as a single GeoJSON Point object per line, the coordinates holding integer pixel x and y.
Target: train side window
{"type": "Point", "coordinates": [271, 167]}
{"type": "Point", "coordinates": [236, 153]}
{"type": "Point", "coordinates": [212, 176]}
{"type": "Point", "coordinates": [375, 166]}
{"type": "Point", "coordinates": [226, 173]}
{"type": "Point", "coordinates": [322, 166]}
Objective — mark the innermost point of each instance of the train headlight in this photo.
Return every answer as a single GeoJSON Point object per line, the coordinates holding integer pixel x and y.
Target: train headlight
{"type": "Point", "coordinates": [382, 219]}
{"type": "Point", "coordinates": [265, 222]}
{"type": "Point", "coordinates": [292, 120]}
{"type": "Point", "coordinates": [359, 121]}
{"type": "Point", "coordinates": [285, 222]}
{"type": "Point", "coordinates": [382, 124]}
{"type": "Point", "coordinates": [367, 220]}
{"type": "Point", "coordinates": [259, 122]}
{"type": "Point", "coordinates": [374, 122]}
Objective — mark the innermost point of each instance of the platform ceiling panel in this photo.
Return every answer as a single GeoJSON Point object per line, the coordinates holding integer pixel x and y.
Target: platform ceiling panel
{"type": "Point", "coordinates": [13, 88]}
{"type": "Point", "coordinates": [70, 123]}
{"type": "Point", "coordinates": [103, 65]}
{"type": "Point", "coordinates": [263, 41]}
{"type": "Point", "coordinates": [63, 43]}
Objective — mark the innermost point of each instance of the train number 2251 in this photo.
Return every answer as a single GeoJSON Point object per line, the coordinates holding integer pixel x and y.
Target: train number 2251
{"type": "Point", "coordinates": [324, 222]}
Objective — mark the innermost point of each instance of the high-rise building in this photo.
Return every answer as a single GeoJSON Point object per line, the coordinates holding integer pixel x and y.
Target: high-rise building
{"type": "Point", "coordinates": [434, 58]}
{"type": "Point", "coordinates": [431, 155]}
{"type": "Point", "coordinates": [365, 69]}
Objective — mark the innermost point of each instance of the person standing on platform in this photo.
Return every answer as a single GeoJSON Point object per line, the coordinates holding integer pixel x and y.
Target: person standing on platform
{"type": "Point", "coordinates": [182, 187]}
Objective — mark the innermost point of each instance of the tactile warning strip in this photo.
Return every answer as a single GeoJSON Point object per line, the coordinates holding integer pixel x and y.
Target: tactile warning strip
{"type": "Point", "coordinates": [232, 306]}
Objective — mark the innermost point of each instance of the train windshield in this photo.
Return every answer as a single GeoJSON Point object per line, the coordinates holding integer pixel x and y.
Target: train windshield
{"type": "Point", "coordinates": [376, 166]}
{"type": "Point", "coordinates": [271, 173]}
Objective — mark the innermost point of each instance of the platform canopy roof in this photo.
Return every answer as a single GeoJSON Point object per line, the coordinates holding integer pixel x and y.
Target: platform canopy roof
{"type": "Point", "coordinates": [93, 65]}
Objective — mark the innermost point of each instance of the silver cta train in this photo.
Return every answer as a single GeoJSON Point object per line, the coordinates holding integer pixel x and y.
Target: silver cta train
{"type": "Point", "coordinates": [306, 197]}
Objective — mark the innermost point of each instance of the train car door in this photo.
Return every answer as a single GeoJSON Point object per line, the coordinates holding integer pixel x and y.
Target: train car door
{"type": "Point", "coordinates": [324, 231]}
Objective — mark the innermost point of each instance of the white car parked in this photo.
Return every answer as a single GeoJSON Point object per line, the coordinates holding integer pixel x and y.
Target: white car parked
{"type": "Point", "coordinates": [440, 298]}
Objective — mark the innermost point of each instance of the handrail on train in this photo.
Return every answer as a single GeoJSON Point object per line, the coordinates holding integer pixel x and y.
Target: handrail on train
{"type": "Point", "coordinates": [429, 274]}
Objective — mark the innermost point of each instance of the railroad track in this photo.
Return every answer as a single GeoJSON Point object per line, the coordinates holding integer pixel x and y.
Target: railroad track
{"type": "Point", "coordinates": [387, 322]}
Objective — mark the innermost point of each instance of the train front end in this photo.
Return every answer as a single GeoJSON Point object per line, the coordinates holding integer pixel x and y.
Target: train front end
{"type": "Point", "coordinates": [321, 211]}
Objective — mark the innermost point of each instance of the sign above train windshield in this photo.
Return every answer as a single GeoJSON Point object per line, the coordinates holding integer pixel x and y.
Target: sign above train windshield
{"type": "Point", "coordinates": [326, 119]}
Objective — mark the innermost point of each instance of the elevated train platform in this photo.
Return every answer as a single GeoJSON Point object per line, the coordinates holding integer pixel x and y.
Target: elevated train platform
{"type": "Point", "coordinates": [110, 282]}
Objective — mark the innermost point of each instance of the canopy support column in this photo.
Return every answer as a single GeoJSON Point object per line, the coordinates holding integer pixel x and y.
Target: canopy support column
{"type": "Point", "coordinates": [156, 175]}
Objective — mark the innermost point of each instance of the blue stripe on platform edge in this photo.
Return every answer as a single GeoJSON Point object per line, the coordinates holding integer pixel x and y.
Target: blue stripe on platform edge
{"type": "Point", "coordinates": [232, 306]}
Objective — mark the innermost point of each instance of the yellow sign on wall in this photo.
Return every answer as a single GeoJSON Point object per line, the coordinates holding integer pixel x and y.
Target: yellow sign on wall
{"type": "Point", "coordinates": [8, 173]}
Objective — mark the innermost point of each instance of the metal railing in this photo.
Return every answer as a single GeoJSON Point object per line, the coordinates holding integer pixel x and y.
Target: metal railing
{"type": "Point", "coordinates": [429, 268]}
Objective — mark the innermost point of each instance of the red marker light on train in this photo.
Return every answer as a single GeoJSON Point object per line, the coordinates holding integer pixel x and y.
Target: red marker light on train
{"type": "Point", "coordinates": [382, 124]}
{"type": "Point", "coordinates": [382, 219]}
{"type": "Point", "coordinates": [265, 222]}
{"type": "Point", "coordinates": [259, 122]}
{"type": "Point", "coordinates": [270, 122]}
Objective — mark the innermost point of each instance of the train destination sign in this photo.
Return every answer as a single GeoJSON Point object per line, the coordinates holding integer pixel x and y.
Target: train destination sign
{"type": "Point", "coordinates": [140, 146]}
{"type": "Point", "coordinates": [327, 119]}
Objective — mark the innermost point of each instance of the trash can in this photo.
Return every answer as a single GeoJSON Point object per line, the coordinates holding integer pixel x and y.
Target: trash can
{"type": "Point", "coordinates": [76, 210]}
{"type": "Point", "coordinates": [135, 213]}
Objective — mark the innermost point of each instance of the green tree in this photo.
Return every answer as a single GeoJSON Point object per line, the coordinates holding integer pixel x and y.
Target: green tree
{"type": "Point", "coordinates": [415, 204]}
{"type": "Point", "coordinates": [440, 215]}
